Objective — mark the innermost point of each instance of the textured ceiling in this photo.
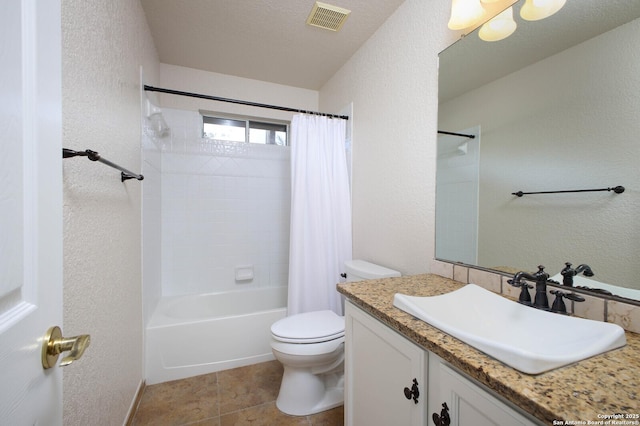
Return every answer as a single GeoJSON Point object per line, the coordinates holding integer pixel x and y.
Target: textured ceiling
{"type": "Point", "coordinates": [265, 40]}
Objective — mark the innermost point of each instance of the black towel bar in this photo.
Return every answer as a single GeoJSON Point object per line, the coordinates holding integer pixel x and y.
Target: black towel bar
{"type": "Point", "coordinates": [94, 156]}
{"type": "Point", "coordinates": [617, 190]}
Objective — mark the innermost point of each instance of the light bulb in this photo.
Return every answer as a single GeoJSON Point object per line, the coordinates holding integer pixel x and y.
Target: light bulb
{"type": "Point", "coordinates": [498, 28]}
{"type": "Point", "coordinates": [465, 13]}
{"type": "Point", "coordinates": [534, 10]}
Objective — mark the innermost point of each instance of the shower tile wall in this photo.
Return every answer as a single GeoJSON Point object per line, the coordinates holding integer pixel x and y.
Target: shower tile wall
{"type": "Point", "coordinates": [224, 205]}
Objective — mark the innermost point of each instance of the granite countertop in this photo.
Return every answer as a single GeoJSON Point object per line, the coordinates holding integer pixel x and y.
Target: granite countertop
{"type": "Point", "coordinates": [585, 391]}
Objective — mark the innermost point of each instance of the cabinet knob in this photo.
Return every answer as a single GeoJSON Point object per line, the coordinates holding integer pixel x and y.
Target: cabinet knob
{"type": "Point", "coordinates": [443, 419]}
{"type": "Point", "coordinates": [414, 392]}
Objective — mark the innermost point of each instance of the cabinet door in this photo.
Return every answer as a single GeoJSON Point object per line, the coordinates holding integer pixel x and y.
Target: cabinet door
{"type": "Point", "coordinates": [379, 364]}
{"type": "Point", "coordinates": [468, 403]}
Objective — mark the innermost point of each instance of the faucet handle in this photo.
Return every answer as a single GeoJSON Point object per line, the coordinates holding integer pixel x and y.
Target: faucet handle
{"type": "Point", "coordinates": [559, 305]}
{"type": "Point", "coordinates": [574, 297]}
{"type": "Point", "coordinates": [525, 297]}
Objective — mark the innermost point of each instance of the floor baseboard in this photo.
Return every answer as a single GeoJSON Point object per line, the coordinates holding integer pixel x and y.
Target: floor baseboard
{"type": "Point", "coordinates": [134, 404]}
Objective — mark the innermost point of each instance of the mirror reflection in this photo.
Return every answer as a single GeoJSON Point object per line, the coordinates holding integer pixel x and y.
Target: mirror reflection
{"type": "Point", "coordinates": [553, 107]}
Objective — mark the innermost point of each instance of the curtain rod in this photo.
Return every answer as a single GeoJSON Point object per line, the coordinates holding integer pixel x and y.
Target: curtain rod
{"type": "Point", "coordinates": [442, 132]}
{"type": "Point", "coordinates": [236, 101]}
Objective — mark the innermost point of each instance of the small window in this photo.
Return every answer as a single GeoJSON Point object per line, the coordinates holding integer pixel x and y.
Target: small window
{"type": "Point", "coordinates": [238, 130]}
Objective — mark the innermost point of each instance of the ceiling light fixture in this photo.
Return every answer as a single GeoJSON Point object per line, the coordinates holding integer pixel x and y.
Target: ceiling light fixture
{"type": "Point", "coordinates": [500, 27]}
{"type": "Point", "coordinates": [534, 10]}
{"type": "Point", "coordinates": [469, 14]}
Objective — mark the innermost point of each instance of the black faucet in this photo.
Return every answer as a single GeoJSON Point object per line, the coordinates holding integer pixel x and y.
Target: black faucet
{"type": "Point", "coordinates": [568, 273]}
{"type": "Point", "coordinates": [541, 300]}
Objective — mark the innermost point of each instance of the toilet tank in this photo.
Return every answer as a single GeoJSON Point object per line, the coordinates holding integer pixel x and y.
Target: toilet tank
{"type": "Point", "coordinates": [359, 270]}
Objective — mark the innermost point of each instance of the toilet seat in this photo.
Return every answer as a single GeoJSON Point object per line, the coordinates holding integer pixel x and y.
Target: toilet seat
{"type": "Point", "coordinates": [309, 327]}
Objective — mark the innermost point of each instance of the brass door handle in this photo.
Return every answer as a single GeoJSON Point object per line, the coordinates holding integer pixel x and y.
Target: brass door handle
{"type": "Point", "coordinates": [54, 344]}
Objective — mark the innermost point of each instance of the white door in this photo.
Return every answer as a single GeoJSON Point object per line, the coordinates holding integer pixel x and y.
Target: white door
{"type": "Point", "coordinates": [30, 209]}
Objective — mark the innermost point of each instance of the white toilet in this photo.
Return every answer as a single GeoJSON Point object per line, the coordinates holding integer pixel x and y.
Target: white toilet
{"type": "Point", "coordinates": [310, 346]}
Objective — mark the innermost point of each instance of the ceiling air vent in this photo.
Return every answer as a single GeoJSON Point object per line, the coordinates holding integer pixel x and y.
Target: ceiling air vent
{"type": "Point", "coordinates": [327, 16]}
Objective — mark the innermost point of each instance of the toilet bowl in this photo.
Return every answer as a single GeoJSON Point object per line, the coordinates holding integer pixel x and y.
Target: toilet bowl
{"type": "Point", "coordinates": [310, 346]}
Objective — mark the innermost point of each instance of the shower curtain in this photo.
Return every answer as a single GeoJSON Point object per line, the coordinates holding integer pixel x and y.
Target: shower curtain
{"type": "Point", "coordinates": [320, 237]}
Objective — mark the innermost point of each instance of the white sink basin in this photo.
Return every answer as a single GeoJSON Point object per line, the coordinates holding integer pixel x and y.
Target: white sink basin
{"type": "Point", "coordinates": [525, 338]}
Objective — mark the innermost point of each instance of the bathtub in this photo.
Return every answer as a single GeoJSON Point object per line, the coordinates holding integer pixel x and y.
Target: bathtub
{"type": "Point", "coordinates": [203, 333]}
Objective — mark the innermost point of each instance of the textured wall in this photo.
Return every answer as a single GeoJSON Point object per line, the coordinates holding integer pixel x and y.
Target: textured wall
{"type": "Point", "coordinates": [104, 45]}
{"type": "Point", "coordinates": [393, 83]}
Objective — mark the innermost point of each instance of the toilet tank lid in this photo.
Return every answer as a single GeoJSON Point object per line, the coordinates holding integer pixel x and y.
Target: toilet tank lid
{"type": "Point", "coordinates": [367, 270]}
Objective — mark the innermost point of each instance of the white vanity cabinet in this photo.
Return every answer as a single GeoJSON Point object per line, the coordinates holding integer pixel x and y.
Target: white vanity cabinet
{"type": "Point", "coordinates": [468, 403]}
{"type": "Point", "coordinates": [380, 364]}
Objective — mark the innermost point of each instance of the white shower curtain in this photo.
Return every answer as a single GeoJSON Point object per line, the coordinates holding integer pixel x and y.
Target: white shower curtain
{"type": "Point", "coordinates": [320, 238]}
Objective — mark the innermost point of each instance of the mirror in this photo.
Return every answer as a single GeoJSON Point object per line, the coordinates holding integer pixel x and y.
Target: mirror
{"type": "Point", "coordinates": [554, 107]}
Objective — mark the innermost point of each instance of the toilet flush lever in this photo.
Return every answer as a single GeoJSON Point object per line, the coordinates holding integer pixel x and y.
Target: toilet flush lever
{"type": "Point", "coordinates": [54, 344]}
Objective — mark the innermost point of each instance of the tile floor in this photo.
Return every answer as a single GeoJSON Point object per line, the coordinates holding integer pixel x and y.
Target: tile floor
{"type": "Point", "coordinates": [241, 396]}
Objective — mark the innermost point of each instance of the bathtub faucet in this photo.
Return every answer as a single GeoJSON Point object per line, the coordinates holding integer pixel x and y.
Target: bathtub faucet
{"type": "Point", "coordinates": [541, 300]}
